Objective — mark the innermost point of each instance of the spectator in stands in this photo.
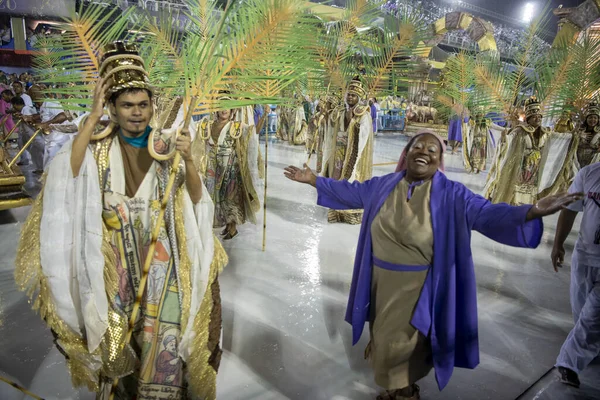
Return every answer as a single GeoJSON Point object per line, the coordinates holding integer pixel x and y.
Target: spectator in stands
{"type": "Point", "coordinates": [5, 105]}
{"type": "Point", "coordinates": [5, 34]}
{"type": "Point", "coordinates": [35, 151]}
{"type": "Point", "coordinates": [20, 92]}
{"type": "Point", "coordinates": [4, 83]}
{"type": "Point", "coordinates": [23, 80]}
{"type": "Point", "coordinates": [50, 113]}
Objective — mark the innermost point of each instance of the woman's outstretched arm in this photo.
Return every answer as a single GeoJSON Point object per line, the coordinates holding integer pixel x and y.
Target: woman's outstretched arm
{"type": "Point", "coordinates": [339, 195]}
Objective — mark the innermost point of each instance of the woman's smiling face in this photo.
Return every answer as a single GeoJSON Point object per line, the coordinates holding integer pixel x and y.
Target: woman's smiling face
{"type": "Point", "coordinates": [424, 157]}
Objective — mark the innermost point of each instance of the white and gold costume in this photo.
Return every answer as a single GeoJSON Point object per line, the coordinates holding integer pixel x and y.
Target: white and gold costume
{"type": "Point", "coordinates": [348, 150]}
{"type": "Point", "coordinates": [81, 258]}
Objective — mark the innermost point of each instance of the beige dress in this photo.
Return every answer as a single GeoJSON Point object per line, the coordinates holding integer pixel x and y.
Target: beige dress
{"type": "Point", "coordinates": [402, 234]}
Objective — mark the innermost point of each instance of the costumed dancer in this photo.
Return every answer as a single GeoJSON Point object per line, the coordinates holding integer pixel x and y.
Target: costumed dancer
{"type": "Point", "coordinates": [516, 180]}
{"type": "Point", "coordinates": [589, 136]}
{"type": "Point", "coordinates": [455, 132]}
{"type": "Point", "coordinates": [84, 245]}
{"type": "Point", "coordinates": [312, 132]}
{"type": "Point", "coordinates": [349, 156]}
{"type": "Point", "coordinates": [230, 169]}
{"type": "Point", "coordinates": [251, 117]}
{"type": "Point", "coordinates": [282, 118]}
{"type": "Point", "coordinates": [413, 282]}
{"type": "Point", "coordinates": [297, 126]}
{"type": "Point", "coordinates": [564, 123]}
{"type": "Point", "coordinates": [373, 110]}
{"type": "Point", "coordinates": [478, 141]}
{"type": "Point", "coordinates": [569, 151]}
{"type": "Point", "coordinates": [582, 345]}
{"type": "Point", "coordinates": [326, 140]}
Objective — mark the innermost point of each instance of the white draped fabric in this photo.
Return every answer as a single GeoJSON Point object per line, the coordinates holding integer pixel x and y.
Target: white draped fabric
{"type": "Point", "coordinates": [553, 158]}
{"type": "Point", "coordinates": [71, 244]}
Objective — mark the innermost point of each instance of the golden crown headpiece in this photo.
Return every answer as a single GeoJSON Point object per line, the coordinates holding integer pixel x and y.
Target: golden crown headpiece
{"type": "Point", "coordinates": [532, 107]}
{"type": "Point", "coordinates": [356, 87]}
{"type": "Point", "coordinates": [123, 68]}
{"type": "Point", "coordinates": [592, 109]}
{"type": "Point", "coordinates": [479, 109]}
{"type": "Point", "coordinates": [333, 99]}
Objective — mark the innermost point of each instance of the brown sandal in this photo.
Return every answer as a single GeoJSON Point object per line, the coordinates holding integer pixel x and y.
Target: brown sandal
{"type": "Point", "coordinates": [401, 394]}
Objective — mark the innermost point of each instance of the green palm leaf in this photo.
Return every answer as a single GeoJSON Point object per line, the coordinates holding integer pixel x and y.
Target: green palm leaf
{"type": "Point", "coordinates": [71, 63]}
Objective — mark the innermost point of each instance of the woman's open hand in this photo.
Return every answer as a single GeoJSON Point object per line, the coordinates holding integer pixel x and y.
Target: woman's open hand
{"type": "Point", "coordinates": [301, 175]}
{"type": "Point", "coordinates": [552, 204]}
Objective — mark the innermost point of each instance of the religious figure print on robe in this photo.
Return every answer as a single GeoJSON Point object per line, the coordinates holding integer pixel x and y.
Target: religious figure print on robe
{"type": "Point", "coordinates": [168, 371]}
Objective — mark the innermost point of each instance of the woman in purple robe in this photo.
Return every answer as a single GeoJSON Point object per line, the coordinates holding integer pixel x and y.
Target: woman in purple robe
{"type": "Point", "coordinates": [420, 299]}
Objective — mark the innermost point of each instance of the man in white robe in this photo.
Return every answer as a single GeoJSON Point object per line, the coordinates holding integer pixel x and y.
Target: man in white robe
{"type": "Point", "coordinates": [95, 232]}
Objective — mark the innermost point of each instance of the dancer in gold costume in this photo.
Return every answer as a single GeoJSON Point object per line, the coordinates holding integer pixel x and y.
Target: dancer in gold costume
{"type": "Point", "coordinates": [84, 246]}
{"type": "Point", "coordinates": [517, 176]}
{"type": "Point", "coordinates": [297, 125]}
{"type": "Point", "coordinates": [589, 136]}
{"type": "Point", "coordinates": [323, 127]}
{"type": "Point", "coordinates": [230, 170]}
{"type": "Point", "coordinates": [349, 153]}
{"type": "Point", "coordinates": [564, 123]}
{"type": "Point", "coordinates": [312, 132]}
{"type": "Point", "coordinates": [567, 152]}
{"type": "Point", "coordinates": [476, 143]}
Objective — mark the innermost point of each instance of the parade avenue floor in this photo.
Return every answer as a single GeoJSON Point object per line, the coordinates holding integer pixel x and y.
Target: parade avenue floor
{"type": "Point", "coordinates": [284, 335]}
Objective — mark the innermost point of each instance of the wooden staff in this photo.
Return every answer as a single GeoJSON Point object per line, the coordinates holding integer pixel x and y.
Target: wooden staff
{"type": "Point", "coordinates": [155, 233]}
{"type": "Point", "coordinates": [5, 138]}
{"type": "Point", "coordinates": [20, 388]}
{"type": "Point", "coordinates": [24, 148]}
{"type": "Point", "coordinates": [264, 244]}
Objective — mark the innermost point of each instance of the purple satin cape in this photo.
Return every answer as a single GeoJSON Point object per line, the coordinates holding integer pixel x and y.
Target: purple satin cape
{"type": "Point", "coordinates": [447, 309]}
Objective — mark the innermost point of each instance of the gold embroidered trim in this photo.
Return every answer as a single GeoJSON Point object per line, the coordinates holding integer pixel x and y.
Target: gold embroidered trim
{"type": "Point", "coordinates": [100, 150]}
{"type": "Point", "coordinates": [251, 197]}
{"type": "Point", "coordinates": [30, 279]}
{"type": "Point", "coordinates": [203, 376]}
{"type": "Point", "coordinates": [359, 111]}
{"type": "Point", "coordinates": [118, 360]}
{"type": "Point", "coordinates": [185, 264]}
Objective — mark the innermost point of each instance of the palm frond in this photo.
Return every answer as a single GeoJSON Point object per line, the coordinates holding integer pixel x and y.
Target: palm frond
{"type": "Point", "coordinates": [258, 42]}
{"type": "Point", "coordinates": [72, 67]}
{"type": "Point", "coordinates": [502, 87]}
{"type": "Point", "coordinates": [583, 82]}
{"type": "Point", "coordinates": [458, 89]}
{"type": "Point", "coordinates": [391, 52]}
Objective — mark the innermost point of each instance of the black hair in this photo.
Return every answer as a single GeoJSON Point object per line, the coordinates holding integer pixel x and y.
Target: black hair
{"type": "Point", "coordinates": [585, 125]}
{"type": "Point", "coordinates": [17, 101]}
{"type": "Point", "coordinates": [7, 91]}
{"type": "Point", "coordinates": [113, 98]}
{"type": "Point", "coordinates": [17, 83]}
